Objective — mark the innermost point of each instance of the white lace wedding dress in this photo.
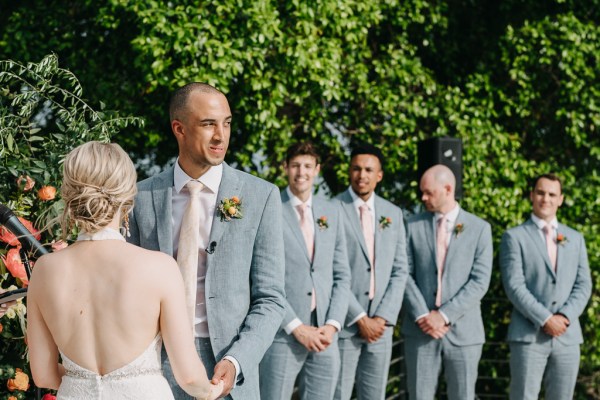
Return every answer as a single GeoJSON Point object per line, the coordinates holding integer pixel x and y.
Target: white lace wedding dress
{"type": "Point", "coordinates": [141, 379]}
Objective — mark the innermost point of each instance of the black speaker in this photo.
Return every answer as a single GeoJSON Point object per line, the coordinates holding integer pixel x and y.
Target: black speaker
{"type": "Point", "coordinates": [442, 150]}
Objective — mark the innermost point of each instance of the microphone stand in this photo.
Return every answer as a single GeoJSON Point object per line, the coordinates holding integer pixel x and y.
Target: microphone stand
{"type": "Point", "coordinates": [27, 264]}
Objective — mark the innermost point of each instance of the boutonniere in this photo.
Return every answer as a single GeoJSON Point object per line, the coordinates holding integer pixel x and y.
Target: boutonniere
{"type": "Point", "coordinates": [322, 223]}
{"type": "Point", "coordinates": [561, 239]}
{"type": "Point", "coordinates": [384, 222]}
{"type": "Point", "coordinates": [230, 208]}
{"type": "Point", "coordinates": [458, 229]}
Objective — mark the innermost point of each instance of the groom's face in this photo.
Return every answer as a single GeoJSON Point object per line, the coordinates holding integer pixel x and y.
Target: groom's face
{"type": "Point", "coordinates": [203, 132]}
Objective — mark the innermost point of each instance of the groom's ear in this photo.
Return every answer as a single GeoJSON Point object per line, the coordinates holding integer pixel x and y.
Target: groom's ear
{"type": "Point", "coordinates": [177, 128]}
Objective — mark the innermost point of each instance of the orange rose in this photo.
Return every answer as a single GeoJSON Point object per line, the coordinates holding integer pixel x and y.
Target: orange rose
{"type": "Point", "coordinates": [15, 266]}
{"type": "Point", "coordinates": [232, 210]}
{"type": "Point", "coordinates": [1, 328]}
{"type": "Point", "coordinates": [235, 199]}
{"type": "Point", "coordinates": [47, 193]}
{"type": "Point", "coordinates": [12, 398]}
{"type": "Point", "coordinates": [26, 181]}
{"type": "Point", "coordinates": [7, 236]}
{"type": "Point", "coordinates": [324, 218]}
{"type": "Point", "coordinates": [19, 382]}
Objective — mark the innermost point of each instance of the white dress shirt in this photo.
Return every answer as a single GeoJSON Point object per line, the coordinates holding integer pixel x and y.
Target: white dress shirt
{"type": "Point", "coordinates": [357, 202]}
{"type": "Point", "coordinates": [294, 202]}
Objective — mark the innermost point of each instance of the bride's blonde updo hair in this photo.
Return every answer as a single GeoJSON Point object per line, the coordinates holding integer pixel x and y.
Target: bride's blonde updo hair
{"type": "Point", "coordinates": [99, 180]}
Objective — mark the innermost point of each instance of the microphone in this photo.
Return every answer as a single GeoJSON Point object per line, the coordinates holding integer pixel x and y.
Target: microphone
{"type": "Point", "coordinates": [12, 223]}
{"type": "Point", "coordinates": [211, 247]}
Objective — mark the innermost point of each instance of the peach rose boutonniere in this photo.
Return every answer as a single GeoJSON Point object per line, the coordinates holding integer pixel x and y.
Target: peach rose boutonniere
{"type": "Point", "coordinates": [19, 382]}
{"type": "Point", "coordinates": [322, 223]}
{"type": "Point", "coordinates": [458, 229]}
{"type": "Point", "coordinates": [561, 239]}
{"type": "Point", "coordinates": [384, 222]}
{"type": "Point", "coordinates": [230, 208]}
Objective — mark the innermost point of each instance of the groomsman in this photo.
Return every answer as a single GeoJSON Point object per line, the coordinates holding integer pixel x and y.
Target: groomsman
{"type": "Point", "coordinates": [546, 276]}
{"type": "Point", "coordinates": [376, 245]}
{"type": "Point", "coordinates": [450, 264]}
{"type": "Point", "coordinates": [317, 283]}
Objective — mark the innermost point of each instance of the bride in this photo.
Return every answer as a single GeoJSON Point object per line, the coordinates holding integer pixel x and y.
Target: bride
{"type": "Point", "coordinates": [106, 306]}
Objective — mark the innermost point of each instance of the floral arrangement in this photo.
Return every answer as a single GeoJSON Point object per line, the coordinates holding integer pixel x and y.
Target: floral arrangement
{"type": "Point", "coordinates": [384, 222]}
{"type": "Point", "coordinates": [561, 239]}
{"type": "Point", "coordinates": [458, 229]}
{"type": "Point", "coordinates": [230, 208]}
{"type": "Point", "coordinates": [322, 223]}
{"type": "Point", "coordinates": [31, 156]}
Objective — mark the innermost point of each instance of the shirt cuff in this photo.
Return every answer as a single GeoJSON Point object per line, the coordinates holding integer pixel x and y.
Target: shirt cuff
{"type": "Point", "coordinates": [445, 317]}
{"type": "Point", "coordinates": [289, 328]}
{"type": "Point", "coordinates": [359, 316]}
{"type": "Point", "coordinates": [334, 323]}
{"type": "Point", "coordinates": [421, 316]}
{"type": "Point", "coordinates": [237, 368]}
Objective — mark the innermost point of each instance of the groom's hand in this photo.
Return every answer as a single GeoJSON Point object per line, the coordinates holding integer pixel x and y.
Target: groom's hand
{"type": "Point", "coordinates": [224, 371]}
{"type": "Point", "coordinates": [309, 337]}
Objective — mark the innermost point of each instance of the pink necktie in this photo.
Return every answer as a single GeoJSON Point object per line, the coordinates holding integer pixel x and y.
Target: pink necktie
{"type": "Point", "coordinates": [189, 242]}
{"type": "Point", "coordinates": [309, 239]}
{"type": "Point", "coordinates": [441, 248]}
{"type": "Point", "coordinates": [366, 222]}
{"type": "Point", "coordinates": [550, 245]}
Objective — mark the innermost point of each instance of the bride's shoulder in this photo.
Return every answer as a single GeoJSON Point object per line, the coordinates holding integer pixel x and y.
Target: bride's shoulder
{"type": "Point", "coordinates": [153, 261]}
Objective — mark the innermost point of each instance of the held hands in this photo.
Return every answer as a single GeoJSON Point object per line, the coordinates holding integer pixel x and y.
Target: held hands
{"type": "Point", "coordinates": [223, 378]}
{"type": "Point", "coordinates": [433, 324]}
{"type": "Point", "coordinates": [371, 329]}
{"type": "Point", "coordinates": [314, 339]}
{"type": "Point", "coordinates": [556, 325]}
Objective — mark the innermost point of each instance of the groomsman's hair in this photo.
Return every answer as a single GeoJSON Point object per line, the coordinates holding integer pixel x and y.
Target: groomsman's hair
{"type": "Point", "coordinates": [366, 148]}
{"type": "Point", "coordinates": [549, 176]}
{"type": "Point", "coordinates": [301, 149]}
{"type": "Point", "coordinates": [180, 96]}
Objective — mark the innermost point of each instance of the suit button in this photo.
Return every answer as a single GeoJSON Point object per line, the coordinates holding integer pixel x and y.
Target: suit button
{"type": "Point", "coordinates": [368, 269]}
{"type": "Point", "coordinates": [309, 293]}
{"type": "Point", "coordinates": [312, 270]}
{"type": "Point", "coordinates": [366, 293]}
{"type": "Point", "coordinates": [553, 303]}
{"type": "Point", "coordinates": [436, 271]}
{"type": "Point", "coordinates": [554, 282]}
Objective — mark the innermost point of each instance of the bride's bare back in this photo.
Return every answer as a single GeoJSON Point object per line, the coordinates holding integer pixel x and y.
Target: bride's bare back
{"type": "Point", "coordinates": [102, 303]}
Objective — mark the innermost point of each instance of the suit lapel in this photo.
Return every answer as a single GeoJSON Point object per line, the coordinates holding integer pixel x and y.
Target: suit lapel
{"type": "Point", "coordinates": [230, 186]}
{"type": "Point", "coordinates": [539, 243]}
{"type": "Point", "coordinates": [430, 235]}
{"type": "Point", "coordinates": [454, 238]}
{"type": "Point", "coordinates": [318, 212]}
{"type": "Point", "coordinates": [379, 236]}
{"type": "Point", "coordinates": [290, 217]}
{"type": "Point", "coordinates": [161, 198]}
{"type": "Point", "coordinates": [561, 251]}
{"type": "Point", "coordinates": [352, 216]}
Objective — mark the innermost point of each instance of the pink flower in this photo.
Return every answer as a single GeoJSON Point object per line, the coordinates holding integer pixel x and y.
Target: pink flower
{"type": "Point", "coordinates": [59, 245]}
{"type": "Point", "coordinates": [15, 266]}
{"type": "Point", "coordinates": [7, 236]}
{"type": "Point", "coordinates": [26, 181]}
{"type": "Point", "coordinates": [48, 396]}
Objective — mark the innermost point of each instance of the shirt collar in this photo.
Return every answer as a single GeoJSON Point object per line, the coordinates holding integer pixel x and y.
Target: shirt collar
{"type": "Point", "coordinates": [357, 201]}
{"type": "Point", "coordinates": [540, 223]}
{"type": "Point", "coordinates": [451, 216]}
{"type": "Point", "coordinates": [294, 201]}
{"type": "Point", "coordinates": [211, 178]}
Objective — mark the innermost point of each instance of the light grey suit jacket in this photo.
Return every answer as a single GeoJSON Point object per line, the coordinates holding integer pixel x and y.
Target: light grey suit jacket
{"type": "Point", "coordinates": [535, 291]}
{"type": "Point", "coordinates": [465, 280]}
{"type": "Point", "coordinates": [245, 274]}
{"type": "Point", "coordinates": [328, 273]}
{"type": "Point", "coordinates": [391, 267]}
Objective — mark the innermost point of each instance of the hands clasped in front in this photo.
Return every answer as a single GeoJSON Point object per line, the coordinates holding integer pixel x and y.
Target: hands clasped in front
{"type": "Point", "coordinates": [313, 338]}
{"type": "Point", "coordinates": [556, 325]}
{"type": "Point", "coordinates": [371, 329]}
{"type": "Point", "coordinates": [433, 324]}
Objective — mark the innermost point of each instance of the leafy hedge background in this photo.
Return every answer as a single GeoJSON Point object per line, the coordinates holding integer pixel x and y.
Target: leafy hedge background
{"type": "Point", "coordinates": [516, 80]}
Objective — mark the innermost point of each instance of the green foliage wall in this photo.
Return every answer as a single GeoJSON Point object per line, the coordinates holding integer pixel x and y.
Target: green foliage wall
{"type": "Point", "coordinates": [516, 80]}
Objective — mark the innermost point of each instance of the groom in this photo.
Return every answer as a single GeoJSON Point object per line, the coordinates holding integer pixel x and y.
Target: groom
{"type": "Point", "coordinates": [231, 254]}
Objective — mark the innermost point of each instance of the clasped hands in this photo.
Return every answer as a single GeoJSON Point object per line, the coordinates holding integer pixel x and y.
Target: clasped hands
{"type": "Point", "coordinates": [313, 338]}
{"type": "Point", "coordinates": [222, 380]}
{"type": "Point", "coordinates": [556, 325]}
{"type": "Point", "coordinates": [433, 324]}
{"type": "Point", "coordinates": [371, 329]}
